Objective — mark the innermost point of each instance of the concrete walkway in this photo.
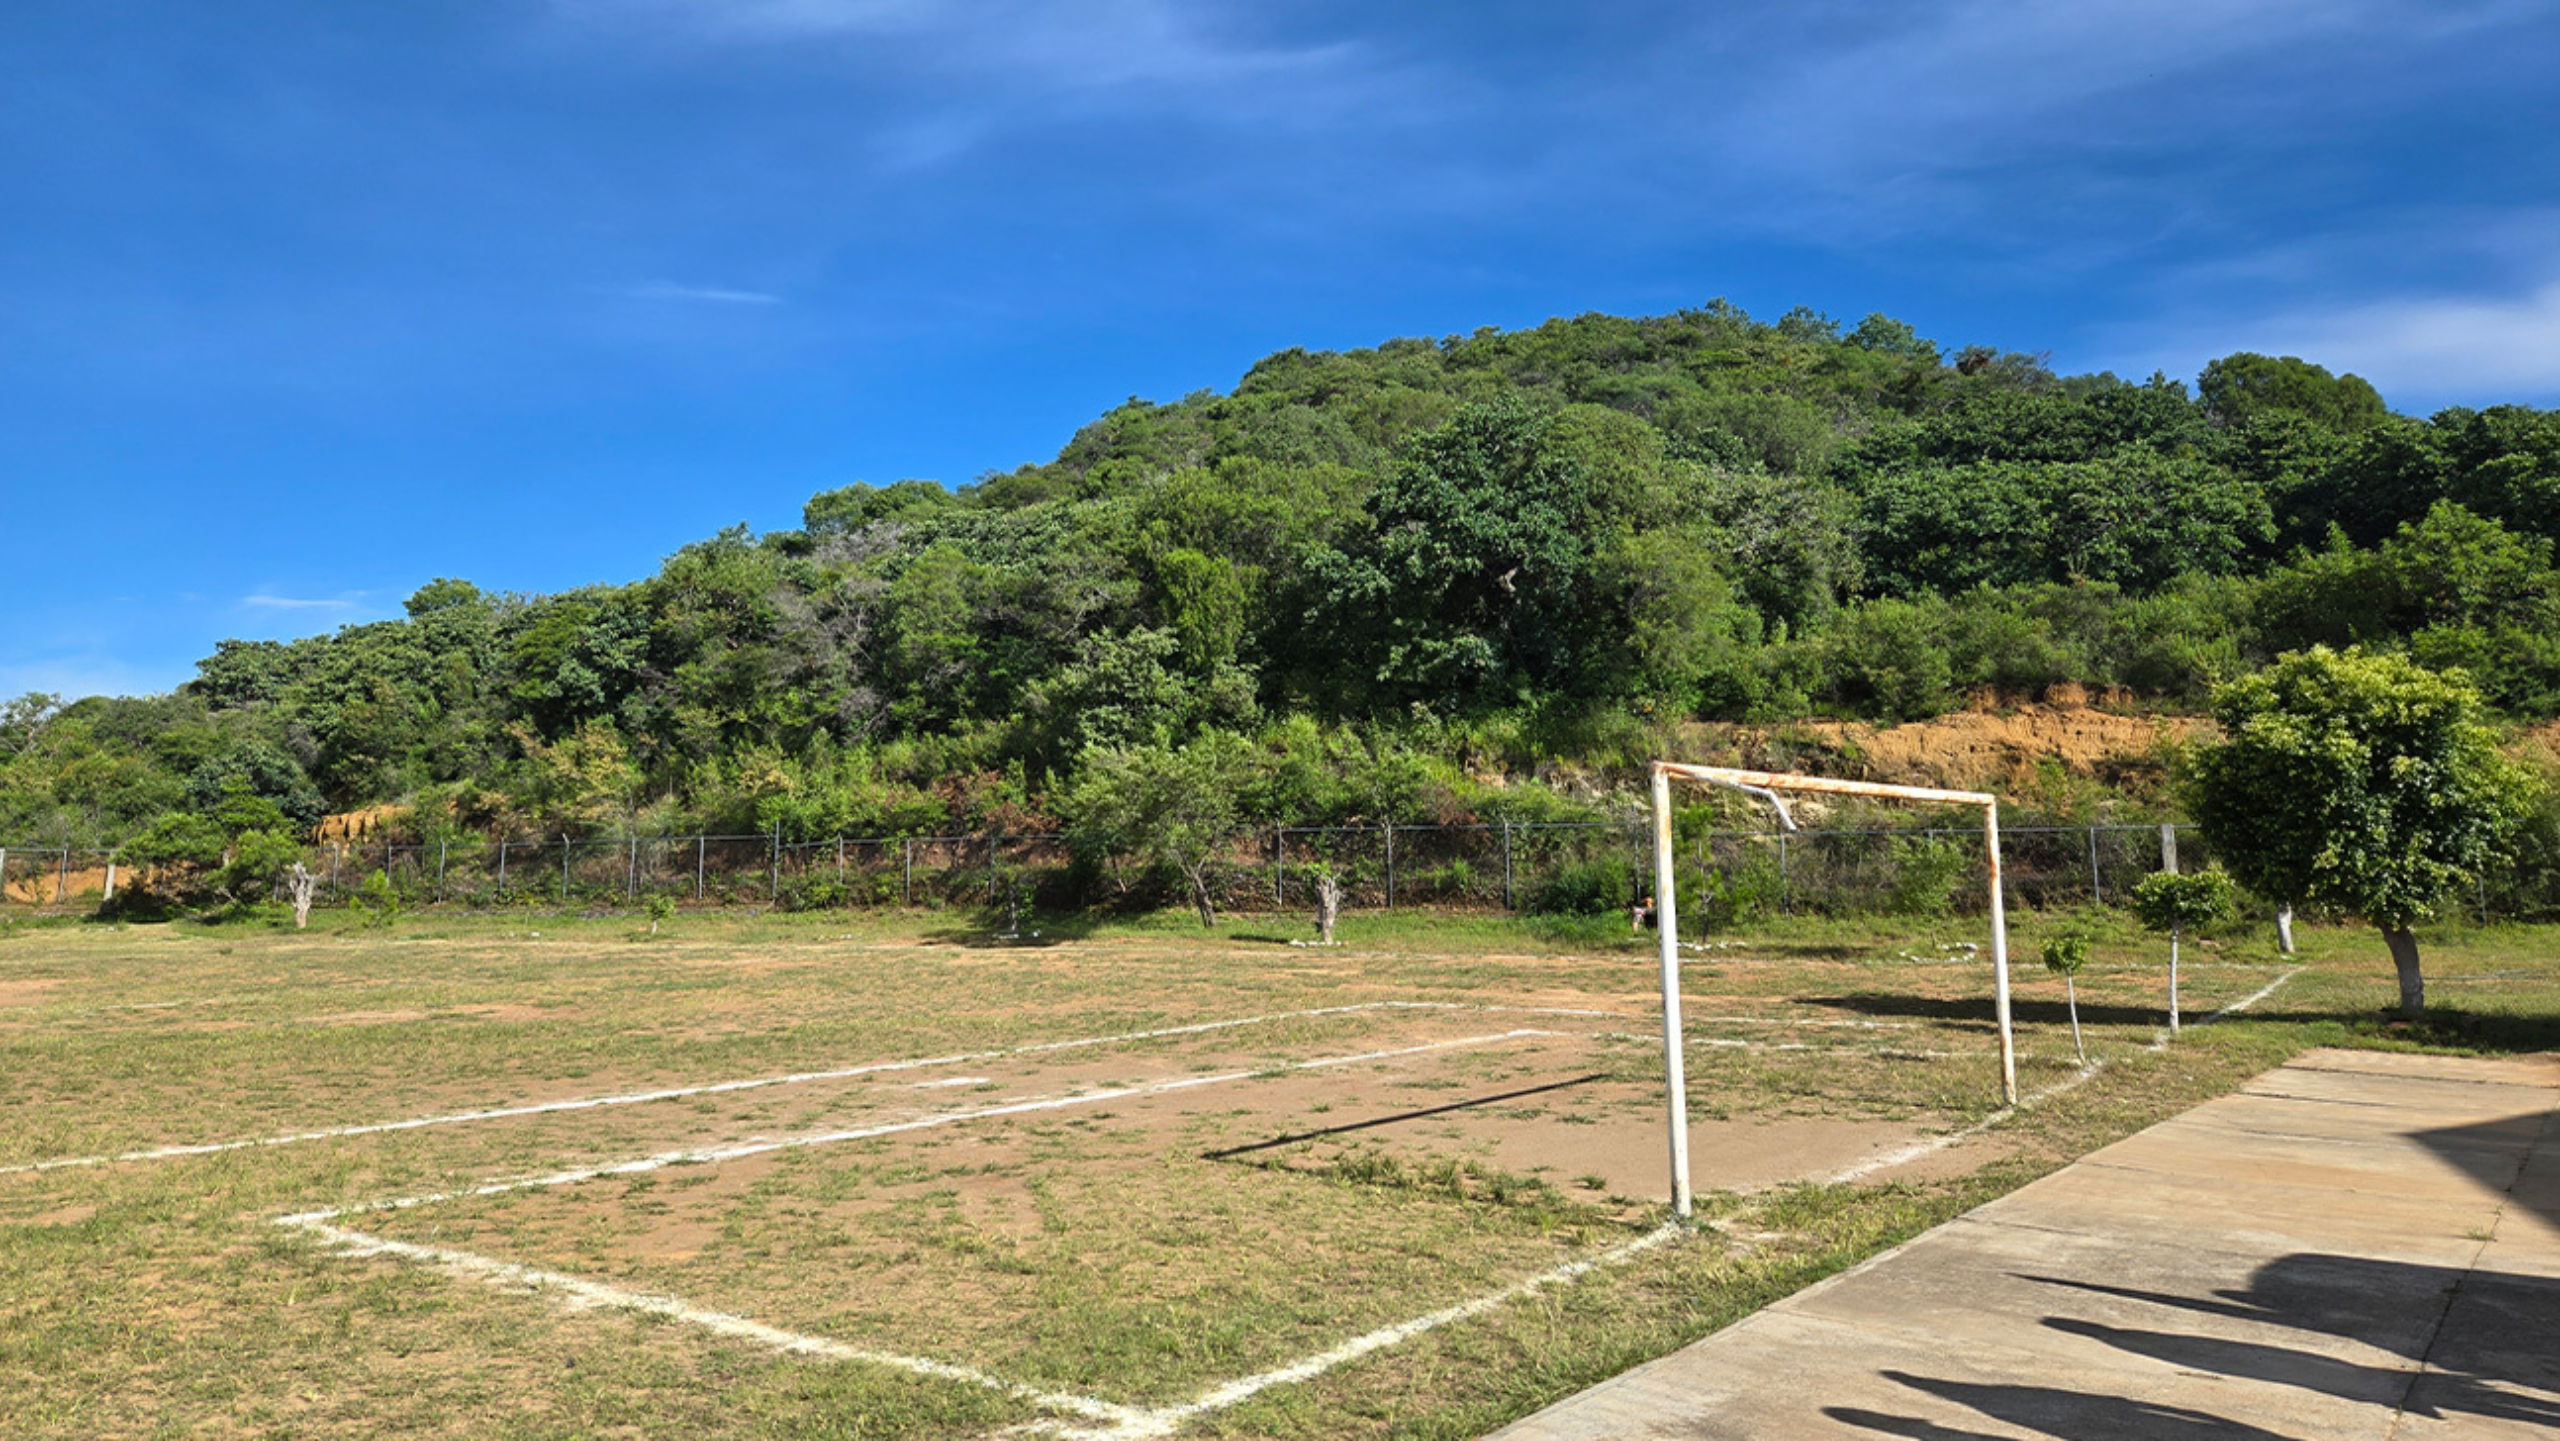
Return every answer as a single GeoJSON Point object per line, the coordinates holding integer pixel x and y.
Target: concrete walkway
{"type": "Point", "coordinates": [2354, 1245]}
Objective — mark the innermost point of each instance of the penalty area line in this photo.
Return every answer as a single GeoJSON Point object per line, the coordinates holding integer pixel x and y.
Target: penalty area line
{"type": "Point", "coordinates": [1112, 1421]}
{"type": "Point", "coordinates": [713, 1155]}
{"type": "Point", "coordinates": [797, 1078]}
{"type": "Point", "coordinates": [1930, 1147]}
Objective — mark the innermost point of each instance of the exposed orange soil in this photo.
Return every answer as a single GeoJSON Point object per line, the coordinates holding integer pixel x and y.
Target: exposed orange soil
{"type": "Point", "coordinates": [358, 825]}
{"type": "Point", "coordinates": [1999, 749]}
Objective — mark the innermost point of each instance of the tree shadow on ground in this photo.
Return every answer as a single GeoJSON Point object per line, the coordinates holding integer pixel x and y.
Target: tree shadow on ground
{"type": "Point", "coordinates": [991, 931]}
{"type": "Point", "coordinates": [2446, 1027]}
{"type": "Point", "coordinates": [2490, 1339]}
{"type": "Point", "coordinates": [2053, 1411]}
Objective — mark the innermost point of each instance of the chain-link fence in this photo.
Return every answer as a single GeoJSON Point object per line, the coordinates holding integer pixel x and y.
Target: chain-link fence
{"type": "Point", "coordinates": [1589, 866]}
{"type": "Point", "coordinates": [1548, 866]}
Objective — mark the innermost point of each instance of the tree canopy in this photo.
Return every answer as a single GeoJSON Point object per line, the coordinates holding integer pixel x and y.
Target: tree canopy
{"type": "Point", "coordinates": [2360, 782]}
{"type": "Point", "coordinates": [1435, 557]}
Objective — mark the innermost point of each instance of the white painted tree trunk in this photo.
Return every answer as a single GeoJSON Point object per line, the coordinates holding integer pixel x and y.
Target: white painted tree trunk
{"type": "Point", "coordinates": [2404, 959]}
{"type": "Point", "coordinates": [2071, 996]}
{"type": "Point", "coordinates": [1328, 905]}
{"type": "Point", "coordinates": [2173, 982]}
{"type": "Point", "coordinates": [299, 884]}
{"type": "Point", "coordinates": [2284, 929]}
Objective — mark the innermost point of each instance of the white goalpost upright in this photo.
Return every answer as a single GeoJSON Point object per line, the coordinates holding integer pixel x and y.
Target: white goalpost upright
{"type": "Point", "coordinates": [1766, 785]}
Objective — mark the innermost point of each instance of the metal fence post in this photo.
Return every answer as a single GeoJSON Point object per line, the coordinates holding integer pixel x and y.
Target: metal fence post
{"type": "Point", "coordinates": [991, 868]}
{"type": "Point", "coordinates": [502, 870]}
{"type": "Point", "coordinates": [698, 843]}
{"type": "Point", "coordinates": [839, 861]}
{"type": "Point", "coordinates": [564, 868]}
{"type": "Point", "coordinates": [2097, 895]}
{"type": "Point", "coordinates": [2168, 848]}
{"type": "Point", "coordinates": [62, 878]}
{"type": "Point", "coordinates": [336, 852]}
{"type": "Point", "coordinates": [1506, 868]}
{"type": "Point", "coordinates": [907, 872]}
{"type": "Point", "coordinates": [773, 889]}
{"type": "Point", "coordinates": [1390, 829]}
{"type": "Point", "coordinates": [1279, 877]}
{"type": "Point", "coordinates": [631, 874]}
{"type": "Point", "coordinates": [1786, 886]}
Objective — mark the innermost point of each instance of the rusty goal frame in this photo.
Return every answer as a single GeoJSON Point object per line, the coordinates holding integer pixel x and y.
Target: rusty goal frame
{"type": "Point", "coordinates": [1768, 786]}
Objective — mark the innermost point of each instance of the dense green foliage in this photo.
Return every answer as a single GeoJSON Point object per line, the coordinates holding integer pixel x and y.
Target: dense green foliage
{"type": "Point", "coordinates": [2170, 902]}
{"type": "Point", "coordinates": [1384, 572]}
{"type": "Point", "coordinates": [2362, 783]}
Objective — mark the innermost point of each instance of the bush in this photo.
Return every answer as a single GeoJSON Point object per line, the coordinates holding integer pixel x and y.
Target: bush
{"type": "Point", "coordinates": [1585, 888]}
{"type": "Point", "coordinates": [813, 893]}
{"type": "Point", "coordinates": [1734, 895]}
{"type": "Point", "coordinates": [379, 903]}
{"type": "Point", "coordinates": [1926, 872]}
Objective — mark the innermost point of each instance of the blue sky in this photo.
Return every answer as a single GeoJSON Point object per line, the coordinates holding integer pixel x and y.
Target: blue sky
{"type": "Point", "coordinates": [303, 304]}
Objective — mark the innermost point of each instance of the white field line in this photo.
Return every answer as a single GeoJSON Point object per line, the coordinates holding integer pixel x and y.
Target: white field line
{"type": "Point", "coordinates": [1730, 1044]}
{"type": "Point", "coordinates": [578, 1294]}
{"type": "Point", "coordinates": [1794, 1022]}
{"type": "Point", "coordinates": [799, 1078]}
{"type": "Point", "coordinates": [1164, 1421]}
{"type": "Point", "coordinates": [712, 1155]}
{"type": "Point", "coordinates": [1119, 1422]}
{"type": "Point", "coordinates": [1935, 1144]}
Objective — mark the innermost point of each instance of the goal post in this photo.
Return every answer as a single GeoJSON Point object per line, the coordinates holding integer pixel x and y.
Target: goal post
{"type": "Point", "coordinates": [1768, 786]}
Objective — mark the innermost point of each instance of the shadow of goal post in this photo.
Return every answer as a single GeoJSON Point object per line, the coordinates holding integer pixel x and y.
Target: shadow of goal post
{"type": "Point", "coordinates": [1766, 786]}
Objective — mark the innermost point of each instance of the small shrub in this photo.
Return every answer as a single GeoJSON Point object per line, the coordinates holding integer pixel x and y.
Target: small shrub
{"type": "Point", "coordinates": [1926, 872]}
{"type": "Point", "coordinates": [661, 909]}
{"type": "Point", "coordinates": [377, 901]}
{"type": "Point", "coordinates": [1584, 888]}
{"type": "Point", "coordinates": [813, 893]}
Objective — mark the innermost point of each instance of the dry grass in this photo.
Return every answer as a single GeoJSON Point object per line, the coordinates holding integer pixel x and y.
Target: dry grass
{"type": "Point", "coordinates": [1140, 1247]}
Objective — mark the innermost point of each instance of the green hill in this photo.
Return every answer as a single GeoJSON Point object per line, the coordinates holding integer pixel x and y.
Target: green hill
{"type": "Point", "coordinates": [1390, 574]}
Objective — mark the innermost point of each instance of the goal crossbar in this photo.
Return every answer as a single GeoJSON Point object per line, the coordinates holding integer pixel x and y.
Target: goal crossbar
{"type": "Point", "coordinates": [1767, 785]}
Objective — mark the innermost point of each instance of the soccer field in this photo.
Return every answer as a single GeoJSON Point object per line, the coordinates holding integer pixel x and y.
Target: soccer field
{"type": "Point", "coordinates": [505, 1177]}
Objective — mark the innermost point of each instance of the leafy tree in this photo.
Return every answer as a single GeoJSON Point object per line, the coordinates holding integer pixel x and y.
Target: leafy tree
{"type": "Point", "coordinates": [2135, 517]}
{"type": "Point", "coordinates": [2359, 781]}
{"type": "Point", "coordinates": [1176, 808]}
{"type": "Point", "coordinates": [2173, 904]}
{"type": "Point", "coordinates": [2064, 955]}
{"type": "Point", "coordinates": [2243, 386]}
{"type": "Point", "coordinates": [857, 506]}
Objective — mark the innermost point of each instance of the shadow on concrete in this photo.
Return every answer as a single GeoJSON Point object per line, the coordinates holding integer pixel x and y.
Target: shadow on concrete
{"type": "Point", "coordinates": [2053, 1411]}
{"type": "Point", "coordinates": [2468, 1147]}
{"type": "Point", "coordinates": [2496, 1354]}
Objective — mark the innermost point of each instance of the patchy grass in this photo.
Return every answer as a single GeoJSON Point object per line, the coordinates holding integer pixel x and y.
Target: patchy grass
{"type": "Point", "coordinates": [1136, 1247]}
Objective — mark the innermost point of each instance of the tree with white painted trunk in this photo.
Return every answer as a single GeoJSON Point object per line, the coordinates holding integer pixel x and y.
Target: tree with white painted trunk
{"type": "Point", "coordinates": [1328, 904]}
{"type": "Point", "coordinates": [2358, 782]}
{"type": "Point", "coordinates": [299, 885]}
{"type": "Point", "coordinates": [2175, 904]}
{"type": "Point", "coordinates": [2064, 955]}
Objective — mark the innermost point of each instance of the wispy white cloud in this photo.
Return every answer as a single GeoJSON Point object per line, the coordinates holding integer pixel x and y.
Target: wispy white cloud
{"type": "Point", "coordinates": [2422, 349]}
{"type": "Point", "coordinates": [262, 600]}
{"type": "Point", "coordinates": [706, 294]}
{"type": "Point", "coordinates": [1100, 51]}
{"type": "Point", "coordinates": [1995, 118]}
